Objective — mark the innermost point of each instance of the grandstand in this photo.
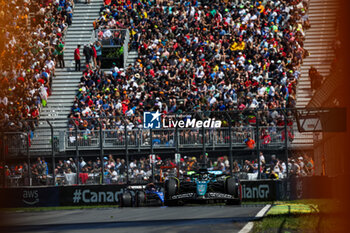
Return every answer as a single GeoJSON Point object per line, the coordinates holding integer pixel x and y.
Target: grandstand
{"type": "Point", "coordinates": [224, 77]}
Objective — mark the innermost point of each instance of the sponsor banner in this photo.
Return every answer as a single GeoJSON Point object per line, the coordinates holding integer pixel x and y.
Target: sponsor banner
{"type": "Point", "coordinates": [91, 195]}
{"type": "Point", "coordinates": [152, 120]}
{"type": "Point", "coordinates": [259, 190]}
{"type": "Point", "coordinates": [29, 197]}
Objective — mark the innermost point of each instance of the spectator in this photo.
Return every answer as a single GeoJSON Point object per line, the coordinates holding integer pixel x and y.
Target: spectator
{"type": "Point", "coordinates": [315, 77]}
{"type": "Point", "coordinates": [87, 53]}
{"type": "Point", "coordinates": [262, 158]}
{"type": "Point", "coordinates": [27, 72]}
{"type": "Point", "coordinates": [310, 167]}
{"type": "Point", "coordinates": [249, 142]}
{"type": "Point", "coordinates": [77, 58]}
{"type": "Point", "coordinates": [83, 175]}
{"type": "Point", "coordinates": [98, 48]}
{"type": "Point", "coordinates": [93, 54]}
{"type": "Point", "coordinates": [254, 65]}
{"type": "Point", "coordinates": [70, 177]}
{"type": "Point", "coordinates": [295, 168]}
{"type": "Point", "coordinates": [60, 54]}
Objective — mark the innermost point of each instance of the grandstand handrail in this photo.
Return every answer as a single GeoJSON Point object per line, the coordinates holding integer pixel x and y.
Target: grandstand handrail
{"type": "Point", "coordinates": [126, 46]}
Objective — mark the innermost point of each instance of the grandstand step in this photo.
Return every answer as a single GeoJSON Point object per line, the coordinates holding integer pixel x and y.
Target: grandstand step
{"type": "Point", "coordinates": [65, 81]}
{"type": "Point", "coordinates": [57, 102]}
{"type": "Point", "coordinates": [72, 47]}
{"type": "Point", "coordinates": [78, 40]}
{"type": "Point", "coordinates": [73, 38]}
{"type": "Point", "coordinates": [53, 111]}
{"type": "Point", "coordinates": [73, 84]}
{"type": "Point", "coordinates": [59, 89]}
{"type": "Point", "coordinates": [53, 114]}
{"type": "Point", "coordinates": [132, 56]}
{"type": "Point", "coordinates": [62, 96]}
{"type": "Point", "coordinates": [82, 24]}
{"type": "Point", "coordinates": [323, 21]}
{"type": "Point", "coordinates": [67, 69]}
{"type": "Point", "coordinates": [60, 105]}
{"type": "Point", "coordinates": [320, 36]}
{"type": "Point", "coordinates": [79, 28]}
{"type": "Point", "coordinates": [79, 33]}
{"type": "Point", "coordinates": [56, 117]}
{"type": "Point", "coordinates": [66, 92]}
{"type": "Point", "coordinates": [60, 121]}
{"type": "Point", "coordinates": [83, 17]}
{"type": "Point", "coordinates": [68, 78]}
{"type": "Point", "coordinates": [87, 10]}
{"type": "Point", "coordinates": [65, 84]}
{"type": "Point", "coordinates": [92, 5]}
{"type": "Point", "coordinates": [68, 73]}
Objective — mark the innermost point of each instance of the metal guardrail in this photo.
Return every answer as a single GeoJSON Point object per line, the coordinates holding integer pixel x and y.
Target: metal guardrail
{"type": "Point", "coordinates": [125, 38]}
{"type": "Point", "coordinates": [65, 139]}
{"type": "Point", "coordinates": [96, 179]}
{"type": "Point", "coordinates": [123, 35]}
{"type": "Point", "coordinates": [167, 138]}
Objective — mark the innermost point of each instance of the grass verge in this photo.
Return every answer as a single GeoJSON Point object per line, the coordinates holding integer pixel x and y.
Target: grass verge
{"type": "Point", "coordinates": [302, 216]}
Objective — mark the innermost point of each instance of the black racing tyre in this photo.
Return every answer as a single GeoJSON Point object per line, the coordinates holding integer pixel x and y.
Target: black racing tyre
{"type": "Point", "coordinates": [140, 198]}
{"type": "Point", "coordinates": [125, 199]}
{"type": "Point", "coordinates": [171, 187]}
{"type": "Point", "coordinates": [231, 187]}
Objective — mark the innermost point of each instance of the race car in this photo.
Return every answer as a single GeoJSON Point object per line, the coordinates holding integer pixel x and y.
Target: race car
{"type": "Point", "coordinates": [203, 186]}
{"type": "Point", "coordinates": [142, 195]}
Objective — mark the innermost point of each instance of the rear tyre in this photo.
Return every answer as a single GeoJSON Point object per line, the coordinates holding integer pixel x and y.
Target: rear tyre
{"type": "Point", "coordinates": [126, 199]}
{"type": "Point", "coordinates": [140, 198]}
{"type": "Point", "coordinates": [231, 187]}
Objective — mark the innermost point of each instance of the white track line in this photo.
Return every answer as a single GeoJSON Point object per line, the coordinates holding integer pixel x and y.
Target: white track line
{"type": "Point", "coordinates": [249, 226]}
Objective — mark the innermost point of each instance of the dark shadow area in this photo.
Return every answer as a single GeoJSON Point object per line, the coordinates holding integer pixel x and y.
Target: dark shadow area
{"type": "Point", "coordinates": [124, 224]}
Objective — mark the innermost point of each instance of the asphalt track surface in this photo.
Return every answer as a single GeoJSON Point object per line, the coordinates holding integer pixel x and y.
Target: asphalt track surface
{"type": "Point", "coordinates": [191, 219]}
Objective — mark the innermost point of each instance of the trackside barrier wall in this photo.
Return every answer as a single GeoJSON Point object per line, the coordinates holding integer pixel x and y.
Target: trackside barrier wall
{"type": "Point", "coordinates": [29, 197]}
{"type": "Point", "coordinates": [258, 190]}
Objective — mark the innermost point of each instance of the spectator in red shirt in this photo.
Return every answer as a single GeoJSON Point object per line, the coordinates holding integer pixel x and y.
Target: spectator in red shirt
{"type": "Point", "coordinates": [77, 58]}
{"type": "Point", "coordinates": [84, 176]}
{"type": "Point", "coordinates": [94, 54]}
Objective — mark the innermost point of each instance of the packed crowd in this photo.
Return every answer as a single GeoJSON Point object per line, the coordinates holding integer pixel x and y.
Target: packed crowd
{"type": "Point", "coordinates": [30, 47]}
{"type": "Point", "coordinates": [213, 56]}
{"type": "Point", "coordinates": [140, 170]}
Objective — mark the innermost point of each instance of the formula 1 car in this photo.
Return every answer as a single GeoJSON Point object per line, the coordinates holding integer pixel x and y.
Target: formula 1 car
{"type": "Point", "coordinates": [142, 195]}
{"type": "Point", "coordinates": [203, 186]}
